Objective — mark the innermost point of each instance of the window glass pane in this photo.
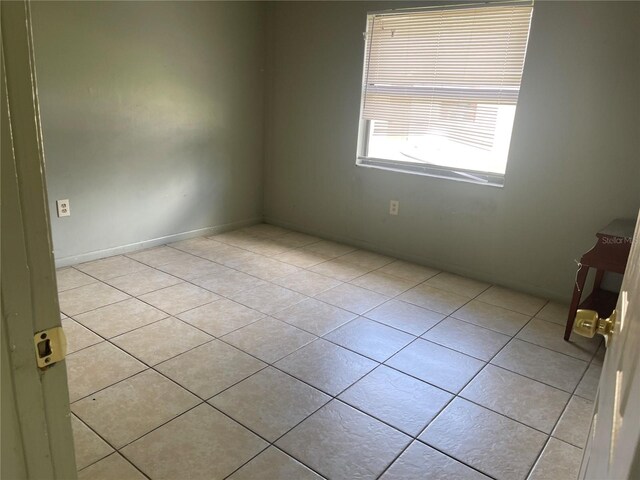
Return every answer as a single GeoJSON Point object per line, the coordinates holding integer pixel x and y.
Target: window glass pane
{"type": "Point", "coordinates": [441, 147]}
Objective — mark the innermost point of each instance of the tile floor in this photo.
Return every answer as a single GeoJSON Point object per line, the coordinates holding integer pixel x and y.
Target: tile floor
{"type": "Point", "coordinates": [264, 353]}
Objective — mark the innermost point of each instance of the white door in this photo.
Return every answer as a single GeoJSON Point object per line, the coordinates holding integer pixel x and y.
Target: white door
{"type": "Point", "coordinates": [612, 450]}
{"type": "Point", "coordinates": [37, 442]}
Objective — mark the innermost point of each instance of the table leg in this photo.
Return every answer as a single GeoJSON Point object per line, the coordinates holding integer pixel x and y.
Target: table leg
{"type": "Point", "coordinates": [598, 280]}
{"type": "Point", "coordinates": [581, 278]}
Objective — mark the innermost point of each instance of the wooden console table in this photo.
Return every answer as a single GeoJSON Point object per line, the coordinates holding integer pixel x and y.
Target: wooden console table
{"type": "Point", "coordinates": [609, 254]}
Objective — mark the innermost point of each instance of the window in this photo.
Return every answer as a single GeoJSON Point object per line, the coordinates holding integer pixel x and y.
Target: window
{"type": "Point", "coordinates": [440, 88]}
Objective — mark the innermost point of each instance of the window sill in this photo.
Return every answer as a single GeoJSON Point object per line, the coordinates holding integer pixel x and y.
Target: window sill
{"type": "Point", "coordinates": [436, 171]}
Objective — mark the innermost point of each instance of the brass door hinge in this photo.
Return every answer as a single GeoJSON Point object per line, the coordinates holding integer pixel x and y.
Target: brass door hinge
{"type": "Point", "coordinates": [50, 345]}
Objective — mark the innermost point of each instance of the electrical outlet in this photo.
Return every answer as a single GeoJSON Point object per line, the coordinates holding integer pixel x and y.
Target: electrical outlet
{"type": "Point", "coordinates": [394, 206]}
{"type": "Point", "coordinates": [64, 209]}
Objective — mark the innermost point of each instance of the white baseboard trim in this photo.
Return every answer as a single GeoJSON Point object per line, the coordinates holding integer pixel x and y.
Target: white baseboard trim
{"type": "Point", "coordinates": [427, 262]}
{"type": "Point", "coordinates": [154, 242]}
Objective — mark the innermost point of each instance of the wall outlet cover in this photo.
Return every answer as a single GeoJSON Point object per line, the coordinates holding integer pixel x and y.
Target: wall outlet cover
{"type": "Point", "coordinates": [64, 208]}
{"type": "Point", "coordinates": [394, 207]}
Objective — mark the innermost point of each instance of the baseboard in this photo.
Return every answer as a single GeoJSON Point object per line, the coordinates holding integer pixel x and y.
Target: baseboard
{"type": "Point", "coordinates": [427, 262]}
{"type": "Point", "coordinates": [154, 242]}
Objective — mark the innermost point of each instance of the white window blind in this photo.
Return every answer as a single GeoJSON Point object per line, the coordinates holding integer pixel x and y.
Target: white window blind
{"type": "Point", "coordinates": [447, 75]}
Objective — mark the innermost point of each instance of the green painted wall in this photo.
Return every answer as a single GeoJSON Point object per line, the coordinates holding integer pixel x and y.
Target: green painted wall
{"type": "Point", "coordinates": [574, 163]}
{"type": "Point", "coordinates": [152, 117]}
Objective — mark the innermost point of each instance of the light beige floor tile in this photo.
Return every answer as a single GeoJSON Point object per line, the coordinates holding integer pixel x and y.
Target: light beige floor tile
{"type": "Point", "coordinates": [268, 298]}
{"type": "Point", "coordinates": [420, 462]}
{"type": "Point", "coordinates": [370, 338]}
{"type": "Point", "coordinates": [297, 239]}
{"type": "Point", "coordinates": [342, 443]}
{"type": "Point", "coordinates": [554, 312]}
{"type": "Point", "coordinates": [492, 317]}
{"type": "Point", "coordinates": [546, 366]}
{"type": "Point", "coordinates": [158, 256]}
{"type": "Point", "coordinates": [270, 402]}
{"type": "Point", "coordinates": [457, 284]}
{"type": "Point", "coordinates": [235, 238]}
{"type": "Point", "coordinates": [89, 297]}
{"type": "Point", "coordinates": [273, 464]}
{"type": "Point", "coordinates": [487, 441]}
{"type": "Point", "coordinates": [111, 267]}
{"type": "Point", "coordinates": [315, 316]}
{"type": "Point", "coordinates": [231, 256]}
{"type": "Point", "coordinates": [212, 250]}
{"type": "Point", "coordinates": [161, 340]}
{"type": "Point", "coordinates": [88, 446]}
{"type": "Point", "coordinates": [238, 238]}
{"type": "Point", "coordinates": [268, 247]}
{"type": "Point", "coordinates": [265, 230]}
{"type": "Point", "coordinates": [120, 317]}
{"type": "Point", "coordinates": [383, 283]}
{"type": "Point", "coordinates": [434, 299]}
{"type": "Point", "coordinates": [196, 246]}
{"type": "Point", "coordinates": [113, 467]}
{"type": "Point", "coordinates": [192, 268]}
{"type": "Point", "coordinates": [203, 245]}
{"type": "Point", "coordinates": [68, 278]}
{"type": "Point", "coordinates": [405, 316]}
{"type": "Point", "coordinates": [301, 258]}
{"type": "Point", "coordinates": [354, 299]}
{"type": "Point", "coordinates": [254, 249]}
{"type": "Point", "coordinates": [339, 269]}
{"type": "Point", "coordinates": [329, 249]}
{"type": "Point", "coordinates": [559, 460]}
{"type": "Point", "coordinates": [146, 281]}
{"type": "Point", "coordinates": [78, 337]}
{"type": "Point", "coordinates": [179, 298]}
{"type": "Point", "coordinates": [244, 240]}
{"type": "Point", "coordinates": [588, 386]}
{"type": "Point", "coordinates": [221, 317]}
{"type": "Point", "coordinates": [326, 366]}
{"type": "Point", "coordinates": [409, 271]}
{"type": "Point", "coordinates": [511, 300]}
{"type": "Point", "coordinates": [133, 407]}
{"type": "Point", "coordinates": [267, 268]}
{"type": "Point", "coordinates": [366, 259]}
{"type": "Point", "coordinates": [229, 282]}
{"type": "Point", "coordinates": [574, 424]}
{"type": "Point", "coordinates": [467, 338]}
{"type": "Point", "coordinates": [437, 365]}
{"type": "Point", "coordinates": [202, 443]}
{"type": "Point", "coordinates": [96, 367]}
{"type": "Point", "coordinates": [397, 399]}
{"type": "Point", "coordinates": [551, 336]}
{"type": "Point", "coordinates": [269, 339]}
{"type": "Point", "coordinates": [210, 368]}
{"type": "Point", "coordinates": [307, 283]}
{"type": "Point", "coordinates": [241, 239]}
{"type": "Point", "coordinates": [525, 400]}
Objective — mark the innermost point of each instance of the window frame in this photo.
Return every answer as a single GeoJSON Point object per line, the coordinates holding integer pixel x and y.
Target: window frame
{"type": "Point", "coordinates": [480, 177]}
